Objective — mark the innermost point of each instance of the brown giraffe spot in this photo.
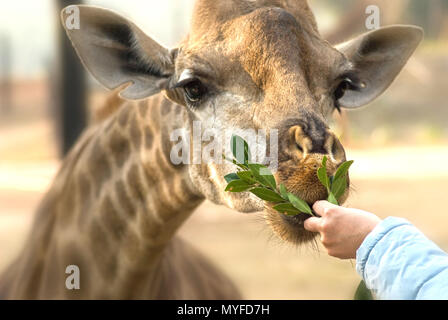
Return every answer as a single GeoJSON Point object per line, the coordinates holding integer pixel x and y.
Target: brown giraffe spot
{"type": "Point", "coordinates": [85, 196]}
{"type": "Point", "coordinates": [155, 119]}
{"type": "Point", "coordinates": [134, 182]}
{"type": "Point", "coordinates": [131, 245]}
{"type": "Point", "coordinates": [136, 134]}
{"type": "Point", "coordinates": [143, 108]}
{"type": "Point", "coordinates": [119, 147]}
{"type": "Point", "coordinates": [112, 220]}
{"type": "Point", "coordinates": [150, 178]}
{"type": "Point", "coordinates": [149, 138]}
{"type": "Point", "coordinates": [178, 109]}
{"type": "Point", "coordinates": [123, 116]}
{"type": "Point", "coordinates": [124, 200]}
{"type": "Point", "coordinates": [160, 160]}
{"type": "Point", "coordinates": [150, 228]}
{"type": "Point", "coordinates": [104, 255]}
{"type": "Point", "coordinates": [99, 166]}
{"type": "Point", "coordinates": [165, 107]}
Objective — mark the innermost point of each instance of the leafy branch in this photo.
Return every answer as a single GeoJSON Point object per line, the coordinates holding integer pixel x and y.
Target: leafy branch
{"type": "Point", "coordinates": [259, 180]}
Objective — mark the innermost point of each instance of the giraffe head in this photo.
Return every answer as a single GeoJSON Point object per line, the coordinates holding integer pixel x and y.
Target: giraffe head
{"type": "Point", "coordinates": [250, 64]}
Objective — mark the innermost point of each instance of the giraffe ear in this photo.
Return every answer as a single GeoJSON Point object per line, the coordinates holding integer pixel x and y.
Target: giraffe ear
{"type": "Point", "coordinates": [117, 53]}
{"type": "Point", "coordinates": [378, 57]}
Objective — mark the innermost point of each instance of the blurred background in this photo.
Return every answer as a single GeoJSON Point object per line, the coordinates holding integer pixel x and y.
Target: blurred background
{"type": "Point", "coordinates": [399, 142]}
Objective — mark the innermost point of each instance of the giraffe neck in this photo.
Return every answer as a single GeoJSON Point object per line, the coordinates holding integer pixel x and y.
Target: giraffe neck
{"type": "Point", "coordinates": [117, 201]}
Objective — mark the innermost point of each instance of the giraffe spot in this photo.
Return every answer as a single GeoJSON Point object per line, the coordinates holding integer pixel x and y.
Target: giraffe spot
{"type": "Point", "coordinates": [149, 139]}
{"type": "Point", "coordinates": [124, 200]}
{"type": "Point", "coordinates": [165, 107]}
{"type": "Point", "coordinates": [112, 220]}
{"type": "Point", "coordinates": [123, 116]}
{"type": "Point", "coordinates": [143, 108]}
{"type": "Point", "coordinates": [131, 245]}
{"type": "Point", "coordinates": [150, 228]}
{"type": "Point", "coordinates": [136, 134]}
{"type": "Point", "coordinates": [119, 147]}
{"type": "Point", "coordinates": [178, 109]}
{"type": "Point", "coordinates": [155, 118]}
{"type": "Point", "coordinates": [99, 166]}
{"type": "Point", "coordinates": [85, 196]}
{"type": "Point", "coordinates": [150, 177]}
{"type": "Point", "coordinates": [104, 255]}
{"type": "Point", "coordinates": [134, 182]}
{"type": "Point", "coordinates": [160, 160]}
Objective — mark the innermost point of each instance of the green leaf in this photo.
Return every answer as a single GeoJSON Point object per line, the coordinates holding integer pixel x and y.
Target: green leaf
{"type": "Point", "coordinates": [238, 186]}
{"type": "Point", "coordinates": [284, 192]}
{"type": "Point", "coordinates": [362, 293]}
{"type": "Point", "coordinates": [269, 177]}
{"type": "Point", "coordinates": [287, 209]}
{"type": "Point", "coordinates": [338, 187]}
{"type": "Point", "coordinates": [342, 170]}
{"type": "Point", "coordinates": [322, 174]}
{"type": "Point", "coordinates": [323, 178]}
{"type": "Point", "coordinates": [231, 177]}
{"type": "Point", "coordinates": [263, 175]}
{"type": "Point", "coordinates": [242, 166]}
{"type": "Point", "coordinates": [301, 205]}
{"type": "Point", "coordinates": [332, 199]}
{"type": "Point", "coordinates": [266, 195]}
{"type": "Point", "coordinates": [324, 162]}
{"type": "Point", "coordinates": [246, 176]}
{"type": "Point", "coordinates": [240, 149]}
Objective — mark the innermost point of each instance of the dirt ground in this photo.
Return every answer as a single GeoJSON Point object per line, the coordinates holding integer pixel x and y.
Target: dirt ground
{"type": "Point", "coordinates": [408, 182]}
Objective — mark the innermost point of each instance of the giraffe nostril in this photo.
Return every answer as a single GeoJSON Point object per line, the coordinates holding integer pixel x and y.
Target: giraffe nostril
{"type": "Point", "coordinates": [299, 147]}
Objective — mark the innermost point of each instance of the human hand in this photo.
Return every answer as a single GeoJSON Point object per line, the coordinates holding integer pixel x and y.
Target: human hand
{"type": "Point", "coordinates": [342, 230]}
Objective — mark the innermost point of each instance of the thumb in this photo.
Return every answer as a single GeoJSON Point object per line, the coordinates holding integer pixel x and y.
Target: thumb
{"type": "Point", "coordinates": [313, 224]}
{"type": "Point", "coordinates": [321, 206]}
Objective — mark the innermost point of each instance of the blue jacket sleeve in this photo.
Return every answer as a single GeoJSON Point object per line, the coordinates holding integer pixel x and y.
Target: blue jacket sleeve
{"type": "Point", "coordinates": [397, 261]}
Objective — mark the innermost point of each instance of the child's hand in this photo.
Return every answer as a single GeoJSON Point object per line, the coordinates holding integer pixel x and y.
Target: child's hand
{"type": "Point", "coordinates": [342, 230]}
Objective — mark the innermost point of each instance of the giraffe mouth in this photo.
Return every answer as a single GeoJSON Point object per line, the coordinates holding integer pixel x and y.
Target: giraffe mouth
{"type": "Point", "coordinates": [296, 221]}
{"type": "Point", "coordinates": [291, 228]}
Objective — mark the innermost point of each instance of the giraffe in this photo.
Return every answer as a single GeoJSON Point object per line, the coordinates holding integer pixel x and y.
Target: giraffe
{"type": "Point", "coordinates": [115, 206]}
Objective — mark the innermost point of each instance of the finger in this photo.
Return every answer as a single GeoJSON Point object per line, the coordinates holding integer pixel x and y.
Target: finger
{"type": "Point", "coordinates": [313, 224]}
{"type": "Point", "coordinates": [320, 207]}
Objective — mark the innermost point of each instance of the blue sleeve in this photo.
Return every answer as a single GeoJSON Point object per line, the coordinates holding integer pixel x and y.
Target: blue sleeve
{"type": "Point", "coordinates": [397, 261]}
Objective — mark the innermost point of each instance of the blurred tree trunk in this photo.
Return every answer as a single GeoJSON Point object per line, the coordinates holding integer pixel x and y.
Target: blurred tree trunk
{"type": "Point", "coordinates": [72, 93]}
{"type": "Point", "coordinates": [5, 75]}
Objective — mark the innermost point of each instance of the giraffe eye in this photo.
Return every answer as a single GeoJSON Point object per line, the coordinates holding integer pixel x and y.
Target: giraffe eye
{"type": "Point", "coordinates": [346, 83]}
{"type": "Point", "coordinates": [194, 91]}
{"type": "Point", "coordinates": [343, 86]}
